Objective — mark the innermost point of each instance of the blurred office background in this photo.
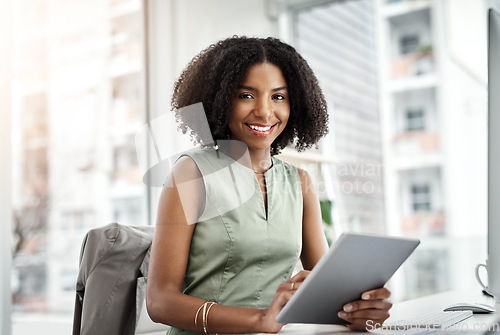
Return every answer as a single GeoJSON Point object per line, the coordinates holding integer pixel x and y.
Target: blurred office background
{"type": "Point", "coordinates": [406, 85]}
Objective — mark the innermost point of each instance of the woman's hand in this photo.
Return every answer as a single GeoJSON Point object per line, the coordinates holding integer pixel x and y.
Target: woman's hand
{"type": "Point", "coordinates": [369, 312]}
{"type": "Point", "coordinates": [281, 297]}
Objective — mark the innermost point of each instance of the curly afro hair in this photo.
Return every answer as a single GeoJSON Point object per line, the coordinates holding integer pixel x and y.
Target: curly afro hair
{"type": "Point", "coordinates": [213, 77]}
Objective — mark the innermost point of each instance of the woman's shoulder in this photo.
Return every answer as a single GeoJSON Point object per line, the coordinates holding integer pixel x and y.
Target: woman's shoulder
{"type": "Point", "coordinates": [199, 152]}
{"type": "Point", "coordinates": [305, 177]}
{"type": "Point", "coordinates": [286, 166]}
{"type": "Point", "coordinates": [185, 168]}
{"type": "Point", "coordinates": [206, 160]}
{"type": "Point", "coordinates": [301, 174]}
{"type": "Point", "coordinates": [199, 156]}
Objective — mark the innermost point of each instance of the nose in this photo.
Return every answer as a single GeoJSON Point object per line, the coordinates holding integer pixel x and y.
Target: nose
{"type": "Point", "coordinates": [263, 109]}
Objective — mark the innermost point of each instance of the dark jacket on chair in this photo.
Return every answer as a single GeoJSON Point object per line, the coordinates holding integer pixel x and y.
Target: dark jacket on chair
{"type": "Point", "coordinates": [111, 262]}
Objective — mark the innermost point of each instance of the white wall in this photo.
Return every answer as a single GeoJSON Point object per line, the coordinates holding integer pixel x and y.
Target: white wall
{"type": "Point", "coordinates": [467, 42]}
{"type": "Point", "coordinates": [5, 166]}
{"type": "Point", "coordinates": [180, 29]}
{"type": "Point", "coordinates": [463, 105]}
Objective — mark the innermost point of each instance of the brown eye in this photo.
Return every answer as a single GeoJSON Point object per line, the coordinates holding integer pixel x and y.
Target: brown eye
{"type": "Point", "coordinates": [245, 96]}
{"type": "Point", "coordinates": [278, 97]}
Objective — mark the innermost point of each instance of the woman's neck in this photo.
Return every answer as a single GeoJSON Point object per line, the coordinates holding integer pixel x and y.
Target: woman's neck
{"type": "Point", "coordinates": [259, 160]}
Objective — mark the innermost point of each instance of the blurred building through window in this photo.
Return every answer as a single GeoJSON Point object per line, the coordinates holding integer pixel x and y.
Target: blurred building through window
{"type": "Point", "coordinates": [434, 115]}
{"type": "Point", "coordinates": [338, 40]}
{"type": "Point", "coordinates": [407, 94]}
{"type": "Point", "coordinates": [78, 101]}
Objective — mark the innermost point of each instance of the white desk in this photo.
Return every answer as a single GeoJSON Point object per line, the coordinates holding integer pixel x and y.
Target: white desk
{"type": "Point", "coordinates": [411, 308]}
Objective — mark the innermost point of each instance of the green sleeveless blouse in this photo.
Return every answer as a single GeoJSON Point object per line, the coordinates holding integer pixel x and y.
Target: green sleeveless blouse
{"type": "Point", "coordinates": [239, 254]}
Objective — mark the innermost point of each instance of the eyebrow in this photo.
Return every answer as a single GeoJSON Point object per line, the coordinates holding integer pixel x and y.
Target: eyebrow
{"type": "Point", "coordinates": [250, 88]}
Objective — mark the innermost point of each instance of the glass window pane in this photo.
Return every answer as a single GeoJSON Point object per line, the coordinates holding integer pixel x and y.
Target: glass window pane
{"type": "Point", "coordinates": [408, 44]}
{"type": "Point", "coordinates": [77, 100]}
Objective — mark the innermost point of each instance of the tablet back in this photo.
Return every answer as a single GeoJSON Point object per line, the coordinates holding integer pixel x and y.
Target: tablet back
{"type": "Point", "coordinates": [354, 264]}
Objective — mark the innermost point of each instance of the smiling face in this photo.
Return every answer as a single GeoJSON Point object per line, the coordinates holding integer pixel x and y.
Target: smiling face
{"type": "Point", "coordinates": [261, 107]}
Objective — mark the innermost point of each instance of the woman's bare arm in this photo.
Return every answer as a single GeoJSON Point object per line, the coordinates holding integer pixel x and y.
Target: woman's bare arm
{"type": "Point", "coordinates": [314, 244]}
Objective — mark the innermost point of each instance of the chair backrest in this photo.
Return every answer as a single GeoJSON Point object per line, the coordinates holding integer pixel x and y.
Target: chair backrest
{"type": "Point", "coordinates": [111, 282]}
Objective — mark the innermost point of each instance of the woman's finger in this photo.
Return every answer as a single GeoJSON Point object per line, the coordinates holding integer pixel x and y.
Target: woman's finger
{"type": "Point", "coordinates": [372, 310]}
{"type": "Point", "coordinates": [294, 283]}
{"type": "Point", "coordinates": [373, 314]}
{"type": "Point", "coordinates": [379, 293]}
{"type": "Point", "coordinates": [364, 319]}
{"type": "Point", "coordinates": [300, 276]}
{"type": "Point", "coordinates": [367, 304]}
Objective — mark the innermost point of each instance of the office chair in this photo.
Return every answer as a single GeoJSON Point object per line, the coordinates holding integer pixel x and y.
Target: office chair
{"type": "Point", "coordinates": [111, 284]}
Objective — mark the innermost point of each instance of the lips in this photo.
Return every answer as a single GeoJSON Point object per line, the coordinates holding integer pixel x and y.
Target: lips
{"type": "Point", "coordinates": [260, 129]}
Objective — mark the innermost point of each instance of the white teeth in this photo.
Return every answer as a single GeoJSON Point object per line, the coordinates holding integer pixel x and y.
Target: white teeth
{"type": "Point", "coordinates": [259, 128]}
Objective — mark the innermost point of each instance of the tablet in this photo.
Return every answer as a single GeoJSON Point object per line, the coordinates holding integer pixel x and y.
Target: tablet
{"type": "Point", "coordinates": [354, 264]}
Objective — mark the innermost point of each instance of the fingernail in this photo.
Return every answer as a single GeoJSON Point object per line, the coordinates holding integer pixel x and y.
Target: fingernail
{"type": "Point", "coordinates": [365, 296]}
{"type": "Point", "coordinates": [348, 307]}
{"type": "Point", "coordinates": [342, 314]}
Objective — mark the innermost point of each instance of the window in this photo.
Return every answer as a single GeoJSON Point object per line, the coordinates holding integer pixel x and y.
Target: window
{"type": "Point", "coordinates": [421, 197]}
{"type": "Point", "coordinates": [409, 43]}
{"type": "Point", "coordinates": [338, 40]}
{"type": "Point", "coordinates": [77, 102]}
{"type": "Point", "coordinates": [415, 119]}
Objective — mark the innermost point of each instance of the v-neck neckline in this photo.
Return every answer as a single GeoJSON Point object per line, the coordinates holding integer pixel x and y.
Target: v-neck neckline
{"type": "Point", "coordinates": [264, 205]}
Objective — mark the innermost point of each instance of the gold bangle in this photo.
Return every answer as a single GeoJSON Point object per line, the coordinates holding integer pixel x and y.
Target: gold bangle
{"type": "Point", "coordinates": [205, 317]}
{"type": "Point", "coordinates": [205, 326]}
{"type": "Point", "coordinates": [197, 313]}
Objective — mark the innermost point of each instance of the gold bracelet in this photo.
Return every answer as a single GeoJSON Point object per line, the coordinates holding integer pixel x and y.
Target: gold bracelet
{"type": "Point", "coordinates": [196, 316]}
{"type": "Point", "coordinates": [205, 325]}
{"type": "Point", "coordinates": [204, 318]}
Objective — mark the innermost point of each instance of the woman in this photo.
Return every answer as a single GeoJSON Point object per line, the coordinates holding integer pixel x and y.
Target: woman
{"type": "Point", "coordinates": [233, 220]}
